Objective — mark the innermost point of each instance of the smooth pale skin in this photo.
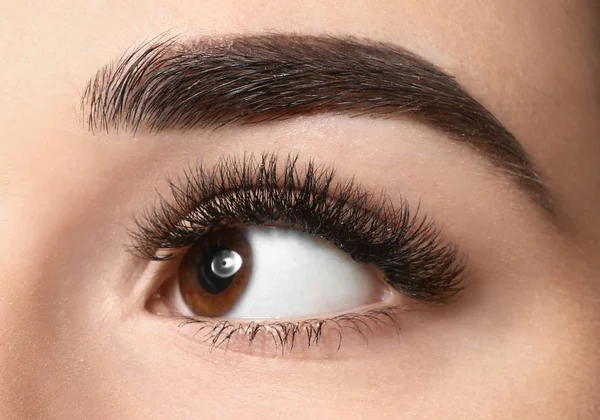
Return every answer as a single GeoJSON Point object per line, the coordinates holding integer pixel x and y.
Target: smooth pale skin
{"type": "Point", "coordinates": [522, 343]}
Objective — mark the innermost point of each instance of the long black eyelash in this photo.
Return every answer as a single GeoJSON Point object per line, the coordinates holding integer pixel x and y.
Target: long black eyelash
{"type": "Point", "coordinates": [286, 335]}
{"type": "Point", "coordinates": [404, 245]}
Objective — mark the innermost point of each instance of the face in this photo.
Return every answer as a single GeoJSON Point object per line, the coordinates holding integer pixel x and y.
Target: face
{"type": "Point", "coordinates": [432, 252]}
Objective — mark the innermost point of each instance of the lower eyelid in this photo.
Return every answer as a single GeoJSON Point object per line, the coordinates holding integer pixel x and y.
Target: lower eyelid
{"type": "Point", "coordinates": [329, 337]}
{"type": "Point", "coordinates": [333, 336]}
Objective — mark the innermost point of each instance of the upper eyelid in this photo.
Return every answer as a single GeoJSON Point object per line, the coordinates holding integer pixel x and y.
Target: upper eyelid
{"type": "Point", "coordinates": [431, 268]}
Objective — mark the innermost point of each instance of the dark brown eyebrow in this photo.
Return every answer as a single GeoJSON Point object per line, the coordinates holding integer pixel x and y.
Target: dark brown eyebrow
{"type": "Point", "coordinates": [208, 84]}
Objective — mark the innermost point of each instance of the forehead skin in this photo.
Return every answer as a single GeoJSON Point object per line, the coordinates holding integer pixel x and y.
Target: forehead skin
{"type": "Point", "coordinates": [533, 64]}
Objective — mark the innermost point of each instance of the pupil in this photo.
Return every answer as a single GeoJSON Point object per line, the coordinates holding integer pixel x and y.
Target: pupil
{"type": "Point", "coordinates": [218, 268]}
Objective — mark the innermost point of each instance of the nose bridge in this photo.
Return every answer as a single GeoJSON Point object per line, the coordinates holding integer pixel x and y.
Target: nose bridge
{"type": "Point", "coordinates": [28, 348]}
{"type": "Point", "coordinates": [17, 366]}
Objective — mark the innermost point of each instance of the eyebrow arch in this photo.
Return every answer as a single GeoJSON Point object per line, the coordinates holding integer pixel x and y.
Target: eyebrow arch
{"type": "Point", "coordinates": [171, 83]}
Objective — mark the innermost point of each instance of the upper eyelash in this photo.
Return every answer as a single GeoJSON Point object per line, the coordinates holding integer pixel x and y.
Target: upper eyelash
{"type": "Point", "coordinates": [405, 245]}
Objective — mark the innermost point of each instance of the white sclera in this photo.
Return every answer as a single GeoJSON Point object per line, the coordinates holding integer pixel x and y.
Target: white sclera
{"type": "Point", "coordinates": [297, 275]}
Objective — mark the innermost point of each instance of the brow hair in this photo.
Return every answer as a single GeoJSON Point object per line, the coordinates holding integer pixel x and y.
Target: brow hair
{"type": "Point", "coordinates": [169, 83]}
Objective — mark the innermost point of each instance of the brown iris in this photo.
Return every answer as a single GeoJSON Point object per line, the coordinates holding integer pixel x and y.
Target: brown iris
{"type": "Point", "coordinates": [215, 272]}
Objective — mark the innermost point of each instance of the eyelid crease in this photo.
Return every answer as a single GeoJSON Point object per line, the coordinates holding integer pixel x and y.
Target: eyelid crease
{"type": "Point", "coordinates": [405, 246]}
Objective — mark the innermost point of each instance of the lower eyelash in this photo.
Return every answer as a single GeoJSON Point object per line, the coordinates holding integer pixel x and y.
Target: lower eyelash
{"type": "Point", "coordinates": [282, 337]}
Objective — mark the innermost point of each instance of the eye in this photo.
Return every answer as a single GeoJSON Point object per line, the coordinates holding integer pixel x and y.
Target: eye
{"type": "Point", "coordinates": [341, 261]}
{"type": "Point", "coordinates": [268, 272]}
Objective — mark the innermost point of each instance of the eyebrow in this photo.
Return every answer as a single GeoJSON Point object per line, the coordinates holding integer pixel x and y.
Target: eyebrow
{"type": "Point", "coordinates": [171, 83]}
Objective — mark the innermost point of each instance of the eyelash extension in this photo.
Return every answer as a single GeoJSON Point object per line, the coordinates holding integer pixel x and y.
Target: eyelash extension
{"type": "Point", "coordinates": [286, 335]}
{"type": "Point", "coordinates": [407, 248]}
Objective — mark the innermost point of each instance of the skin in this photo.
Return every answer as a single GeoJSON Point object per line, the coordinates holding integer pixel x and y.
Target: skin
{"type": "Point", "coordinates": [76, 339]}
